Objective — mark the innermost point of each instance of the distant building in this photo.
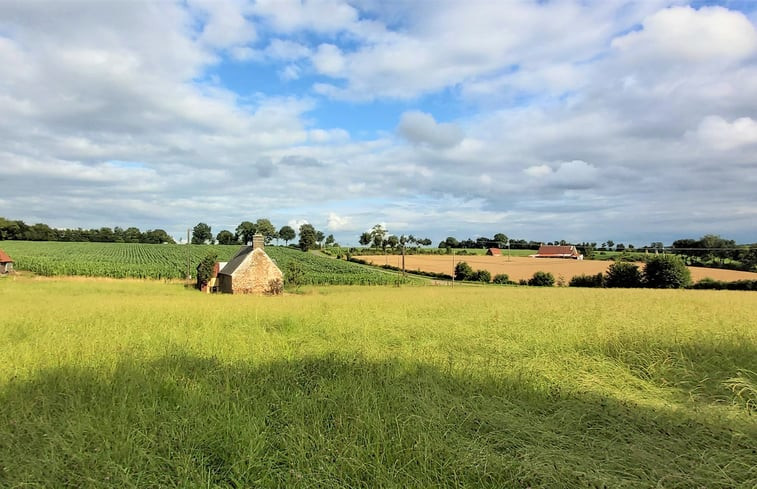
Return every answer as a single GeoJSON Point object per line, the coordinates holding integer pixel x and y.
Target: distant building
{"type": "Point", "coordinates": [251, 271]}
{"type": "Point", "coordinates": [6, 263]}
{"type": "Point", "coordinates": [494, 252]}
{"type": "Point", "coordinates": [558, 251]}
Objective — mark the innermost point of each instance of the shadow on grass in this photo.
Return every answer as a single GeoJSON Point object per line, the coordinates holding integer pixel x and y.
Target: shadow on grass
{"type": "Point", "coordinates": [186, 421]}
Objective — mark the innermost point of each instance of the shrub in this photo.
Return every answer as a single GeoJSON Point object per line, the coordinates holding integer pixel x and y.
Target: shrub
{"type": "Point", "coordinates": [481, 276]}
{"type": "Point", "coordinates": [501, 278]}
{"type": "Point", "coordinates": [625, 275]}
{"type": "Point", "coordinates": [293, 274]}
{"type": "Point", "coordinates": [708, 283]}
{"type": "Point", "coordinates": [542, 279]}
{"type": "Point", "coordinates": [523, 281]}
{"type": "Point", "coordinates": [463, 271]}
{"type": "Point", "coordinates": [666, 272]}
{"type": "Point", "coordinates": [597, 280]}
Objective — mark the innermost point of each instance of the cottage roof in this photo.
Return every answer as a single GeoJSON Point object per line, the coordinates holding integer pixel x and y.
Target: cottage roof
{"type": "Point", "coordinates": [234, 263]}
{"type": "Point", "coordinates": [494, 251]}
{"type": "Point", "coordinates": [4, 258]}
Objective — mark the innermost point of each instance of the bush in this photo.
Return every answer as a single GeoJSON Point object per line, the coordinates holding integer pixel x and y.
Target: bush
{"type": "Point", "coordinates": [463, 271]}
{"type": "Point", "coordinates": [501, 278]}
{"type": "Point", "coordinates": [542, 279]}
{"type": "Point", "coordinates": [625, 275]}
{"type": "Point", "coordinates": [708, 283]}
{"type": "Point", "coordinates": [666, 272]}
{"type": "Point", "coordinates": [597, 280]}
{"type": "Point", "coordinates": [523, 281]}
{"type": "Point", "coordinates": [482, 276]}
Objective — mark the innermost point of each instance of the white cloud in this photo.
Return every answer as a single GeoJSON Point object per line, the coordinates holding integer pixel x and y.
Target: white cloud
{"type": "Point", "coordinates": [328, 60]}
{"type": "Point", "coordinates": [718, 133]}
{"type": "Point", "coordinates": [339, 223]}
{"type": "Point", "coordinates": [574, 174]}
{"type": "Point", "coordinates": [421, 128]}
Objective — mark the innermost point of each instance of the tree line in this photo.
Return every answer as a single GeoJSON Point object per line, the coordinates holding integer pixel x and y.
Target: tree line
{"type": "Point", "coordinates": [19, 230]}
{"type": "Point", "coordinates": [310, 238]}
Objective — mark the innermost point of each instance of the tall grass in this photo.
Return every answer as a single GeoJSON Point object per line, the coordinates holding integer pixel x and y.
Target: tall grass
{"type": "Point", "coordinates": [138, 384]}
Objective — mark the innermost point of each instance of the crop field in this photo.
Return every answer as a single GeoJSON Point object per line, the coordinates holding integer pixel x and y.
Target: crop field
{"type": "Point", "coordinates": [135, 384]}
{"type": "Point", "coordinates": [122, 260]}
{"type": "Point", "coordinates": [524, 267]}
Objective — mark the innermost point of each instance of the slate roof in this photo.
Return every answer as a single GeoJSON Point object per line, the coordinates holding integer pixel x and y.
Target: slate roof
{"type": "Point", "coordinates": [234, 263]}
{"type": "Point", "coordinates": [4, 258]}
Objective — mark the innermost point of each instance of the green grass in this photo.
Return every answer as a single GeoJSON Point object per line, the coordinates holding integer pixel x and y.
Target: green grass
{"type": "Point", "coordinates": [142, 384]}
{"type": "Point", "coordinates": [125, 260]}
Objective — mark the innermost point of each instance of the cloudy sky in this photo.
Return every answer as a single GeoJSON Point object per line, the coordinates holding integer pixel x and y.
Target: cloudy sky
{"type": "Point", "coordinates": [545, 120]}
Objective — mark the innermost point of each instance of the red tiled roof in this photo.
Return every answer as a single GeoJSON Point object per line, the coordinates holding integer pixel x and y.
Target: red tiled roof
{"type": "Point", "coordinates": [495, 251]}
{"type": "Point", "coordinates": [557, 250]}
{"type": "Point", "coordinates": [4, 258]}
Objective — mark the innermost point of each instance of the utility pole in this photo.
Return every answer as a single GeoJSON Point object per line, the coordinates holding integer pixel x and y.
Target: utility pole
{"type": "Point", "coordinates": [453, 267]}
{"type": "Point", "coordinates": [189, 258]}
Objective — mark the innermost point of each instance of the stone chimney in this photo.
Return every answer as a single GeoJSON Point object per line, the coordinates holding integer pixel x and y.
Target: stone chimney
{"type": "Point", "coordinates": [258, 241]}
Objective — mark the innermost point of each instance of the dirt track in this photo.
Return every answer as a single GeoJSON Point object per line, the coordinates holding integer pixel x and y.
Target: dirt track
{"type": "Point", "coordinates": [524, 267]}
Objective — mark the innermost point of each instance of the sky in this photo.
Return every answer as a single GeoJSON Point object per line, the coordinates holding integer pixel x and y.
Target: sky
{"type": "Point", "coordinates": [547, 120]}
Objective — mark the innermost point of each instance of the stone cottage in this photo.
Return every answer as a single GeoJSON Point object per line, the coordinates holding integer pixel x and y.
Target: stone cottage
{"type": "Point", "coordinates": [251, 271]}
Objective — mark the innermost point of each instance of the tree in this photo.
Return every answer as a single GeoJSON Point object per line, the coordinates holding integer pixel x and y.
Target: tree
{"type": "Point", "coordinates": [378, 235]}
{"type": "Point", "coordinates": [319, 237]}
{"type": "Point", "coordinates": [307, 237]}
{"type": "Point", "coordinates": [501, 239]}
{"type": "Point", "coordinates": [392, 241]}
{"type": "Point", "coordinates": [201, 234]}
{"type": "Point", "coordinates": [501, 278]}
{"type": "Point", "coordinates": [264, 227]}
{"type": "Point", "coordinates": [226, 238]}
{"type": "Point", "coordinates": [287, 234]}
{"type": "Point", "coordinates": [365, 239]}
{"type": "Point", "coordinates": [245, 231]}
{"type": "Point", "coordinates": [463, 271]}
{"type": "Point", "coordinates": [542, 279]}
{"type": "Point", "coordinates": [666, 272]}
{"type": "Point", "coordinates": [330, 240]}
{"type": "Point", "coordinates": [157, 236]}
{"type": "Point", "coordinates": [132, 235]}
{"type": "Point", "coordinates": [206, 267]}
{"type": "Point", "coordinates": [481, 276]}
{"type": "Point", "coordinates": [624, 275]}
{"type": "Point", "coordinates": [293, 274]}
{"type": "Point", "coordinates": [610, 243]}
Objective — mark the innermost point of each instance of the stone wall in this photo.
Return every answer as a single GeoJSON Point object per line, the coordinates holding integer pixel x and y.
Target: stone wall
{"type": "Point", "coordinates": [257, 275]}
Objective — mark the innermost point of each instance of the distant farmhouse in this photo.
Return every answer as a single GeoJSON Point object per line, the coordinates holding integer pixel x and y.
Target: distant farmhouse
{"type": "Point", "coordinates": [557, 251]}
{"type": "Point", "coordinates": [494, 252]}
{"type": "Point", "coordinates": [250, 271]}
{"type": "Point", "coordinates": [6, 263]}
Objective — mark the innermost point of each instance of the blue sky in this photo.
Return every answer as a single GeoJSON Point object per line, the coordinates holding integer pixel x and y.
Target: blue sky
{"type": "Point", "coordinates": [576, 120]}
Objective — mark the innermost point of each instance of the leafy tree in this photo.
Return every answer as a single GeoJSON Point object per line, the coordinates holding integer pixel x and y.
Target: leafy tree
{"type": "Point", "coordinates": [226, 238]}
{"type": "Point", "coordinates": [481, 276]}
{"type": "Point", "coordinates": [666, 272]}
{"type": "Point", "coordinates": [610, 243]}
{"type": "Point", "coordinates": [501, 239]}
{"type": "Point", "coordinates": [330, 240]}
{"type": "Point", "coordinates": [264, 227]}
{"type": "Point", "coordinates": [287, 234]}
{"type": "Point", "coordinates": [157, 236]}
{"type": "Point", "coordinates": [307, 237]}
{"type": "Point", "coordinates": [245, 231]}
{"type": "Point", "coordinates": [319, 237]}
{"type": "Point", "coordinates": [623, 275]}
{"type": "Point", "coordinates": [293, 274]}
{"type": "Point", "coordinates": [365, 239]}
{"type": "Point", "coordinates": [378, 236]}
{"type": "Point", "coordinates": [542, 279]}
{"type": "Point", "coordinates": [201, 234]}
{"type": "Point", "coordinates": [132, 235]}
{"type": "Point", "coordinates": [597, 280]}
{"type": "Point", "coordinates": [501, 278]}
{"type": "Point", "coordinates": [392, 241]}
{"type": "Point", "coordinates": [205, 270]}
{"type": "Point", "coordinates": [463, 271]}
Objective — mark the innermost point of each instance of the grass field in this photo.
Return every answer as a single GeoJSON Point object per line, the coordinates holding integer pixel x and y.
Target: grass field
{"type": "Point", "coordinates": [523, 267]}
{"type": "Point", "coordinates": [126, 260]}
{"type": "Point", "coordinates": [107, 383]}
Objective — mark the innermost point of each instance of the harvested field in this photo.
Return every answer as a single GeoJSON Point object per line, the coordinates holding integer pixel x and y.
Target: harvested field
{"type": "Point", "coordinates": [518, 267]}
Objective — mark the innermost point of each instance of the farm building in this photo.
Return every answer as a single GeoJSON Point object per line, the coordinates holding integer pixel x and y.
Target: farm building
{"type": "Point", "coordinates": [6, 263]}
{"type": "Point", "coordinates": [251, 271]}
{"type": "Point", "coordinates": [558, 251]}
{"type": "Point", "coordinates": [494, 252]}
{"type": "Point", "coordinates": [212, 284]}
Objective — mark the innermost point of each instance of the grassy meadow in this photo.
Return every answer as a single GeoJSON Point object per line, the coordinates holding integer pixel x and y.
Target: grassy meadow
{"type": "Point", "coordinates": [107, 383]}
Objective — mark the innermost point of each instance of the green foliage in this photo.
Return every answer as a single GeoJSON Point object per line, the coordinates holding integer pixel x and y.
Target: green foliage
{"type": "Point", "coordinates": [501, 278]}
{"type": "Point", "coordinates": [293, 274]}
{"type": "Point", "coordinates": [201, 234]}
{"type": "Point", "coordinates": [583, 280]}
{"type": "Point", "coordinates": [264, 227]}
{"type": "Point", "coordinates": [308, 237]}
{"type": "Point", "coordinates": [666, 272]}
{"type": "Point", "coordinates": [463, 271]}
{"type": "Point", "coordinates": [226, 238]}
{"type": "Point", "coordinates": [708, 283]}
{"type": "Point", "coordinates": [245, 231]}
{"type": "Point", "coordinates": [624, 275]}
{"type": "Point", "coordinates": [481, 276]}
{"type": "Point", "coordinates": [287, 234]}
{"type": "Point", "coordinates": [542, 279]}
{"type": "Point", "coordinates": [205, 269]}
